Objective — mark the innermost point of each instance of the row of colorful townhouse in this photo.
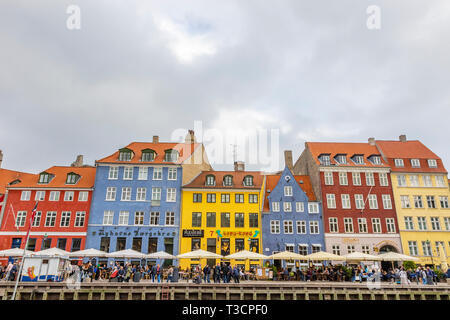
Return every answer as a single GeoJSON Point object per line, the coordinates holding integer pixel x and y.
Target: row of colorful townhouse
{"type": "Point", "coordinates": [338, 197]}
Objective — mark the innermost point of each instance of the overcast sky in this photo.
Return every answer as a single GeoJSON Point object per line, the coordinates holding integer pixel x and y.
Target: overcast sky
{"type": "Point", "coordinates": [310, 69]}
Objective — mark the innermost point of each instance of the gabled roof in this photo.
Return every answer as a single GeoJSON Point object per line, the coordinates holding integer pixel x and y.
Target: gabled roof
{"type": "Point", "coordinates": [238, 178]}
{"type": "Point", "coordinates": [7, 176]}
{"type": "Point", "coordinates": [185, 151]}
{"type": "Point", "coordinates": [59, 179]}
{"type": "Point", "coordinates": [348, 148]}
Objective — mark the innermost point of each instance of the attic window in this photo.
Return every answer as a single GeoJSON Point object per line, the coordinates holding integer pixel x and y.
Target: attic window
{"type": "Point", "coordinates": [210, 180]}
{"type": "Point", "coordinates": [341, 158]}
{"type": "Point", "coordinates": [325, 160]}
{"type": "Point", "coordinates": [399, 162]}
{"type": "Point", "coordinates": [432, 163]}
{"type": "Point", "coordinates": [44, 177]}
{"type": "Point", "coordinates": [248, 181]}
{"type": "Point", "coordinates": [125, 155]}
{"type": "Point", "coordinates": [148, 155]}
{"type": "Point", "coordinates": [358, 159]}
{"type": "Point", "coordinates": [72, 178]}
{"type": "Point", "coordinates": [415, 163]}
{"type": "Point", "coordinates": [376, 159]}
{"type": "Point", "coordinates": [171, 155]}
{"type": "Point", "coordinates": [228, 180]}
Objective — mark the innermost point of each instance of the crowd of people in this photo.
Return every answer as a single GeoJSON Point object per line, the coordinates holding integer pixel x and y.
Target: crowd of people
{"type": "Point", "coordinates": [9, 272]}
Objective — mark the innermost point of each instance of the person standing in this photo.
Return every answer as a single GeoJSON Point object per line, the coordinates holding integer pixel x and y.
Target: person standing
{"type": "Point", "coordinates": [206, 272]}
{"type": "Point", "coordinates": [170, 274]}
{"type": "Point", "coordinates": [121, 274]}
{"type": "Point", "coordinates": [153, 272]}
{"type": "Point", "coordinates": [430, 276]}
{"type": "Point", "coordinates": [217, 273]}
{"type": "Point", "coordinates": [403, 276]}
{"type": "Point", "coordinates": [236, 274]}
{"type": "Point", "coordinates": [158, 272]}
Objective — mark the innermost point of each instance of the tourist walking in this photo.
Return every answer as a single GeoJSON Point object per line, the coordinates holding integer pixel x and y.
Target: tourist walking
{"type": "Point", "coordinates": [206, 272]}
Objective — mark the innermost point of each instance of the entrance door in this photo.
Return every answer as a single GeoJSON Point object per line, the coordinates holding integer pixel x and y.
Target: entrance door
{"type": "Point", "coordinates": [386, 265]}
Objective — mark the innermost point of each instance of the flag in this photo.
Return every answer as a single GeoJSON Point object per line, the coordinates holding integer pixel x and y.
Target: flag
{"type": "Point", "coordinates": [33, 214]}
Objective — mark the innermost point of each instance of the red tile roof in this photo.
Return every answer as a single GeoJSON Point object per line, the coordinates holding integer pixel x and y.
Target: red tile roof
{"type": "Point", "coordinates": [7, 176]}
{"type": "Point", "coordinates": [348, 148]}
{"type": "Point", "coordinates": [185, 150]}
{"type": "Point", "coordinates": [238, 178]}
{"type": "Point", "coordinates": [86, 180]}
{"type": "Point", "coordinates": [272, 181]}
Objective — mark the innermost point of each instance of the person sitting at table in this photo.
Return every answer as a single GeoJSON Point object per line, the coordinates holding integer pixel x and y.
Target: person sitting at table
{"type": "Point", "coordinates": [325, 274]}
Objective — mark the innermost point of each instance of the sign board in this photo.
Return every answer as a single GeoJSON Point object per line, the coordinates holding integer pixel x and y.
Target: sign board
{"type": "Point", "coordinates": [189, 233]}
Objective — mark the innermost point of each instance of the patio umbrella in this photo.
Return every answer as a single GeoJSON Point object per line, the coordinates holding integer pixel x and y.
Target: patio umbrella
{"type": "Point", "coordinates": [287, 255]}
{"type": "Point", "coordinates": [244, 255]}
{"type": "Point", "coordinates": [394, 256]}
{"type": "Point", "coordinates": [359, 256]}
{"type": "Point", "coordinates": [91, 253]}
{"type": "Point", "coordinates": [127, 254]}
{"type": "Point", "coordinates": [52, 252]}
{"type": "Point", "coordinates": [444, 265]}
{"type": "Point", "coordinates": [15, 252]}
{"type": "Point", "coordinates": [324, 256]}
{"type": "Point", "coordinates": [160, 255]}
{"type": "Point", "coordinates": [199, 254]}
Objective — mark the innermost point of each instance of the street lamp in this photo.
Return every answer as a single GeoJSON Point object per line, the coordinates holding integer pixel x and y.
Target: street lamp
{"type": "Point", "coordinates": [431, 249]}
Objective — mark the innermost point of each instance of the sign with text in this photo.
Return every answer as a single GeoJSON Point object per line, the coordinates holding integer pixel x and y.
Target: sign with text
{"type": "Point", "coordinates": [188, 233]}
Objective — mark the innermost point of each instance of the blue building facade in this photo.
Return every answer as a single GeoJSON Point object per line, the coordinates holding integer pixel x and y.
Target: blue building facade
{"type": "Point", "coordinates": [292, 217]}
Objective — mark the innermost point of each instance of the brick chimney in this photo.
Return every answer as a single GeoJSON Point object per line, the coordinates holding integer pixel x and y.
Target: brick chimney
{"type": "Point", "coordinates": [155, 139]}
{"type": "Point", "coordinates": [1, 158]}
{"type": "Point", "coordinates": [78, 162]}
{"type": "Point", "coordinates": [190, 137]}
{"type": "Point", "coordinates": [371, 141]}
{"type": "Point", "coordinates": [402, 138]}
{"type": "Point", "coordinates": [239, 166]}
{"type": "Point", "coordinates": [288, 162]}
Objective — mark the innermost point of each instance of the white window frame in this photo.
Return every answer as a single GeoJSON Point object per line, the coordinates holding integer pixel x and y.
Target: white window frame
{"type": "Point", "coordinates": [345, 200]}
{"type": "Point", "coordinates": [275, 226]}
{"type": "Point", "coordinates": [170, 218]}
{"type": "Point", "coordinates": [83, 196]}
{"type": "Point", "coordinates": [370, 179]}
{"type": "Point", "coordinates": [154, 218]}
{"type": "Point", "coordinates": [275, 206]}
{"type": "Point", "coordinates": [359, 201]}
{"type": "Point", "coordinates": [299, 206]}
{"type": "Point", "coordinates": [156, 194]}
{"type": "Point", "coordinates": [113, 173]}
{"type": "Point", "coordinates": [399, 163]}
{"type": "Point", "coordinates": [25, 195]}
{"type": "Point", "coordinates": [141, 194]}
{"type": "Point", "coordinates": [331, 201]}
{"type": "Point", "coordinates": [39, 196]}
{"type": "Point", "coordinates": [373, 201]}
{"type": "Point", "coordinates": [126, 194]}
{"type": "Point", "coordinates": [333, 224]}
{"type": "Point", "coordinates": [300, 226]}
{"type": "Point", "coordinates": [143, 173]}
{"type": "Point", "coordinates": [288, 191]}
{"type": "Point", "coordinates": [390, 225]}
{"type": "Point", "coordinates": [376, 225]}
{"type": "Point", "coordinates": [172, 174]}
{"type": "Point", "coordinates": [328, 178]}
{"type": "Point", "coordinates": [362, 225]}
{"type": "Point", "coordinates": [108, 217]}
{"type": "Point", "coordinates": [54, 196]}
{"type": "Point", "coordinates": [80, 216]}
{"type": "Point", "coordinates": [356, 178]}
{"type": "Point", "coordinates": [171, 195]}
{"type": "Point", "coordinates": [432, 163]}
{"type": "Point", "coordinates": [387, 202]}
{"type": "Point", "coordinates": [139, 217]}
{"type": "Point", "coordinates": [409, 223]}
{"type": "Point", "coordinates": [314, 227]}
{"type": "Point", "coordinates": [65, 217]}
{"type": "Point", "coordinates": [111, 193]}
{"type": "Point", "coordinates": [50, 217]}
{"type": "Point", "coordinates": [157, 173]}
{"type": "Point", "coordinates": [69, 196]}
{"type": "Point", "coordinates": [313, 207]}
{"type": "Point", "coordinates": [124, 218]}
{"type": "Point", "coordinates": [21, 219]}
{"type": "Point", "coordinates": [289, 225]}
{"type": "Point", "coordinates": [128, 172]}
{"type": "Point", "coordinates": [343, 179]}
{"type": "Point", "coordinates": [384, 181]}
{"type": "Point", "coordinates": [422, 223]}
{"type": "Point", "coordinates": [348, 225]}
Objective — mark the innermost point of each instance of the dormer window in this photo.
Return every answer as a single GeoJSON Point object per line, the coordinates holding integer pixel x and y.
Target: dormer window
{"type": "Point", "coordinates": [148, 155]}
{"type": "Point", "coordinates": [399, 163]}
{"type": "Point", "coordinates": [171, 155]}
{"type": "Point", "coordinates": [358, 159]}
{"type": "Point", "coordinates": [415, 163]}
{"type": "Point", "coordinates": [228, 180]}
{"type": "Point", "coordinates": [248, 181]}
{"type": "Point", "coordinates": [125, 155]}
{"type": "Point", "coordinates": [210, 180]}
{"type": "Point", "coordinates": [324, 159]}
{"type": "Point", "coordinates": [341, 159]}
{"type": "Point", "coordinates": [432, 163]}
{"type": "Point", "coordinates": [44, 177]}
{"type": "Point", "coordinates": [375, 159]}
{"type": "Point", "coordinates": [72, 178]}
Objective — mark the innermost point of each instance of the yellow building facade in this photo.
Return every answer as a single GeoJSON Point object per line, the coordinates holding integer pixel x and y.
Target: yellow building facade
{"type": "Point", "coordinates": [221, 213]}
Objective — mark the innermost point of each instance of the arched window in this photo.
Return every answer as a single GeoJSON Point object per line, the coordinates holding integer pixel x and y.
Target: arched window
{"type": "Point", "coordinates": [228, 180]}
{"type": "Point", "coordinates": [171, 155]}
{"type": "Point", "coordinates": [45, 177]}
{"type": "Point", "coordinates": [125, 154]}
{"type": "Point", "coordinates": [72, 178]}
{"type": "Point", "coordinates": [210, 180]}
{"type": "Point", "coordinates": [248, 181]}
{"type": "Point", "coordinates": [148, 155]}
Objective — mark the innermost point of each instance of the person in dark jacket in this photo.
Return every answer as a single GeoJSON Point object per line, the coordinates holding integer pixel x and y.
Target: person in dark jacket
{"type": "Point", "coordinates": [223, 272]}
{"type": "Point", "coordinates": [206, 272]}
{"type": "Point", "coordinates": [121, 274]}
{"type": "Point", "coordinates": [153, 273]}
{"type": "Point", "coordinates": [236, 274]}
{"type": "Point", "coordinates": [217, 273]}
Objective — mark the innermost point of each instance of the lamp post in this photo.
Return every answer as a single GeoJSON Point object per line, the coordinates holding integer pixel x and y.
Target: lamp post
{"type": "Point", "coordinates": [431, 249]}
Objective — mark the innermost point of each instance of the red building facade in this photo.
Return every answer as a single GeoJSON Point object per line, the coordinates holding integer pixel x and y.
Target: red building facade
{"type": "Point", "coordinates": [64, 196]}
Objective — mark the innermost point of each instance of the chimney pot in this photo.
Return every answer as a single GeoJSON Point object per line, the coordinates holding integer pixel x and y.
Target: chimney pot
{"type": "Point", "coordinates": [1, 158]}
{"type": "Point", "coordinates": [155, 139]}
{"type": "Point", "coordinates": [239, 166]}
{"type": "Point", "coordinates": [288, 162]}
{"type": "Point", "coordinates": [190, 137]}
{"type": "Point", "coordinates": [78, 162]}
{"type": "Point", "coordinates": [402, 138]}
{"type": "Point", "coordinates": [372, 141]}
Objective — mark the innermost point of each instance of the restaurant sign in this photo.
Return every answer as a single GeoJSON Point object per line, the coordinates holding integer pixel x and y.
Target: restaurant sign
{"type": "Point", "coordinates": [189, 233]}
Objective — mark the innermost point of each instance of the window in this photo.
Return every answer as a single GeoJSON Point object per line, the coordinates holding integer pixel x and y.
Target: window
{"type": "Point", "coordinates": [141, 194]}
{"type": "Point", "coordinates": [341, 158]}
{"type": "Point", "coordinates": [210, 219]}
{"type": "Point", "coordinates": [274, 226]}
{"type": "Point", "coordinates": [125, 155]}
{"type": "Point", "coordinates": [196, 219]}
{"type": "Point", "coordinates": [362, 225]}
{"type": "Point", "coordinates": [61, 243]}
{"type": "Point", "coordinates": [376, 225]}
{"type": "Point", "coordinates": [143, 173]}
{"type": "Point", "coordinates": [148, 155]}
{"type": "Point", "coordinates": [426, 248]}
{"type": "Point", "coordinates": [418, 202]}
{"type": "Point", "coordinates": [358, 159]}
{"type": "Point", "coordinates": [287, 206]}
{"type": "Point", "coordinates": [225, 198]}
{"type": "Point", "coordinates": [359, 201]}
{"type": "Point", "coordinates": [123, 218]}
{"type": "Point", "coordinates": [422, 222]}
{"type": "Point", "coordinates": [324, 160]}
{"type": "Point", "coordinates": [65, 219]}
{"type": "Point", "coordinates": [37, 219]}
{"type": "Point", "coordinates": [288, 191]}
{"type": "Point", "coordinates": [139, 218]}
{"type": "Point", "coordinates": [137, 244]}
{"type": "Point", "coordinates": [126, 194]}
{"type": "Point", "coordinates": [44, 178]}
{"type": "Point", "coordinates": [401, 180]}
{"type": "Point", "coordinates": [239, 245]}
{"type": "Point", "coordinates": [447, 223]}
{"type": "Point", "coordinates": [50, 219]}
{"type": "Point", "coordinates": [383, 179]}
{"type": "Point", "coordinates": [252, 198]}
{"type": "Point", "coordinates": [435, 224]}
{"type": "Point", "coordinates": [439, 244]}
{"type": "Point", "coordinates": [343, 181]}
{"type": "Point", "coordinates": [431, 203]}
{"type": "Point", "coordinates": [210, 180]}
{"type": "Point", "coordinates": [303, 249]}
{"type": "Point", "coordinates": [387, 203]}
{"type": "Point", "coordinates": [172, 174]}
{"type": "Point", "coordinates": [253, 220]}
{"type": "Point", "coordinates": [108, 217]}
{"type": "Point", "coordinates": [238, 220]}
{"type": "Point", "coordinates": [225, 220]}
{"type": "Point", "coordinates": [289, 247]}
{"type": "Point", "coordinates": [80, 216]}
{"type": "Point", "coordinates": [46, 244]}
{"type": "Point", "coordinates": [113, 173]}
{"type": "Point", "coordinates": [313, 207]}
{"type": "Point", "coordinates": [154, 218]}
{"type": "Point", "coordinates": [444, 202]}
{"type": "Point", "coordinates": [157, 173]}
{"type": "Point", "coordinates": [211, 197]}
{"type": "Point", "coordinates": [301, 226]}
{"type": "Point", "coordinates": [128, 173]}
{"type": "Point", "coordinates": [111, 194]}
{"type": "Point", "coordinates": [68, 196]}
{"type": "Point", "coordinates": [336, 249]}
{"type": "Point", "coordinates": [405, 202]}
{"type": "Point", "coordinates": [415, 163]}
{"type": "Point", "coordinates": [370, 181]}
{"type": "Point", "coordinates": [390, 224]}
{"type": "Point", "coordinates": [121, 244]}
{"type": "Point", "coordinates": [54, 196]}
{"type": "Point", "coordinates": [328, 178]}
{"type": "Point", "coordinates": [239, 198]}
{"type": "Point", "coordinates": [314, 227]}
{"type": "Point", "coordinates": [348, 225]}
{"type": "Point", "coordinates": [333, 222]}
{"type": "Point", "coordinates": [440, 181]}
{"type": "Point", "coordinates": [414, 180]}
{"type": "Point", "coordinates": [432, 163]}
{"type": "Point", "coordinates": [315, 248]}
{"type": "Point", "coordinates": [275, 206]}
{"type": "Point", "coordinates": [413, 250]}
{"type": "Point", "coordinates": [156, 194]}
{"type": "Point", "coordinates": [25, 195]}
{"type": "Point", "coordinates": [40, 196]}
{"type": "Point", "coordinates": [83, 196]}
{"type": "Point", "coordinates": [356, 178]}
{"type": "Point", "coordinates": [72, 178]}
{"type": "Point", "coordinates": [248, 181]}
{"type": "Point", "coordinates": [171, 156]}
{"type": "Point", "coordinates": [398, 162]}
{"type": "Point", "coordinates": [288, 227]}
{"type": "Point", "coordinates": [376, 160]}
{"type": "Point", "coordinates": [427, 181]}
{"type": "Point", "coordinates": [345, 199]}
{"type": "Point", "coordinates": [373, 202]}
{"type": "Point", "coordinates": [171, 194]}
{"type": "Point", "coordinates": [350, 248]}
{"type": "Point", "coordinates": [228, 180]}
{"type": "Point", "coordinates": [104, 243]}
{"type": "Point", "coordinates": [299, 207]}
{"type": "Point", "coordinates": [409, 224]}
{"type": "Point", "coordinates": [197, 198]}
{"type": "Point", "coordinates": [76, 244]}
{"type": "Point", "coordinates": [21, 218]}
